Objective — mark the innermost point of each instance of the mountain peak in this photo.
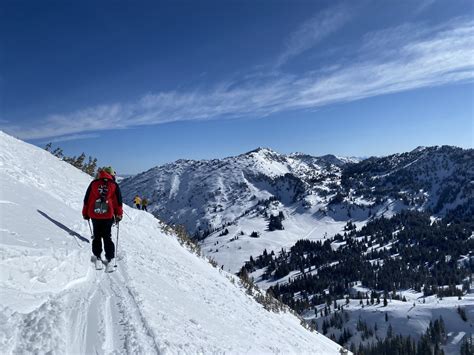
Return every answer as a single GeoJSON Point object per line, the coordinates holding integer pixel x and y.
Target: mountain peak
{"type": "Point", "coordinates": [419, 149]}
{"type": "Point", "coordinates": [263, 150]}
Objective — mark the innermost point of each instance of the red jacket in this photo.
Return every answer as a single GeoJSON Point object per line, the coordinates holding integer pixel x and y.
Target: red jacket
{"type": "Point", "coordinates": [103, 198]}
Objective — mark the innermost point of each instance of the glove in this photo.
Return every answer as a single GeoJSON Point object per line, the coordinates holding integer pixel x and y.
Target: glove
{"type": "Point", "coordinates": [118, 218]}
{"type": "Point", "coordinates": [86, 217]}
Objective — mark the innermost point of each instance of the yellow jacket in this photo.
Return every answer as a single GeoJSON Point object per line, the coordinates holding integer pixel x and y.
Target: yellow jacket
{"type": "Point", "coordinates": [137, 200]}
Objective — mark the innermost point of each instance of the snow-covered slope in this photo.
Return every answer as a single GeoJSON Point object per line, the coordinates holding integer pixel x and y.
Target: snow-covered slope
{"type": "Point", "coordinates": [235, 248]}
{"type": "Point", "coordinates": [435, 178]}
{"type": "Point", "coordinates": [161, 299]}
{"type": "Point", "coordinates": [205, 194]}
{"type": "Point", "coordinates": [409, 318]}
{"type": "Point", "coordinates": [316, 195]}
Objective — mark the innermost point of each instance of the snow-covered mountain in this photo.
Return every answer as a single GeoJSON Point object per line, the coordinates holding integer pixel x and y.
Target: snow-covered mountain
{"type": "Point", "coordinates": [206, 196]}
{"type": "Point", "coordinates": [203, 195]}
{"type": "Point", "coordinates": [436, 179]}
{"type": "Point", "coordinates": [161, 299]}
{"type": "Point", "coordinates": [223, 201]}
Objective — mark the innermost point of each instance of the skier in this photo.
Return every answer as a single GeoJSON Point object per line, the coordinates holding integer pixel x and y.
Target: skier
{"type": "Point", "coordinates": [144, 204]}
{"type": "Point", "coordinates": [103, 204]}
{"type": "Point", "coordinates": [137, 201]}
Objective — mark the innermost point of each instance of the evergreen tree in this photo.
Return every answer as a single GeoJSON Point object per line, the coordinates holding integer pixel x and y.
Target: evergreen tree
{"type": "Point", "coordinates": [467, 345]}
{"type": "Point", "coordinates": [79, 161]}
{"type": "Point", "coordinates": [275, 223]}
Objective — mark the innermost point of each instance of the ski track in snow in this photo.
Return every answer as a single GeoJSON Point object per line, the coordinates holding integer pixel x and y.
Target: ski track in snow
{"type": "Point", "coordinates": [100, 316]}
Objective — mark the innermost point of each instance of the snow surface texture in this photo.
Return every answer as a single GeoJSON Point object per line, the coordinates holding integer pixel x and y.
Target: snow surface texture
{"type": "Point", "coordinates": [161, 299]}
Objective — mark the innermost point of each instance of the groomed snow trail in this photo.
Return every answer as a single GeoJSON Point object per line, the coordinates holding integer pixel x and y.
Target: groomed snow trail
{"type": "Point", "coordinates": [161, 299]}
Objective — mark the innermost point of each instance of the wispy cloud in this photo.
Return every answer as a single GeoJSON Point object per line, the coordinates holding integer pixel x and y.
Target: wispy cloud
{"type": "Point", "coordinates": [72, 137]}
{"type": "Point", "coordinates": [423, 5]}
{"type": "Point", "coordinates": [313, 31]}
{"type": "Point", "coordinates": [412, 57]}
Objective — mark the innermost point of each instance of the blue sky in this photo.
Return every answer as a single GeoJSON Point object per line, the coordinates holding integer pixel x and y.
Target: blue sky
{"type": "Point", "coordinates": [141, 83]}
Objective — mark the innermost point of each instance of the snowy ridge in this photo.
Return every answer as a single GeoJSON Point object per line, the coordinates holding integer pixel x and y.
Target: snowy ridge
{"type": "Point", "coordinates": [161, 299]}
{"type": "Point", "coordinates": [317, 195]}
{"type": "Point", "coordinates": [203, 195]}
{"type": "Point", "coordinates": [207, 195]}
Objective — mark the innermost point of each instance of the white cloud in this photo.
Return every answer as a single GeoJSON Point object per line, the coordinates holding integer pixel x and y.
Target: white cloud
{"type": "Point", "coordinates": [427, 57]}
{"type": "Point", "coordinates": [423, 5]}
{"type": "Point", "coordinates": [72, 137]}
{"type": "Point", "coordinates": [313, 31]}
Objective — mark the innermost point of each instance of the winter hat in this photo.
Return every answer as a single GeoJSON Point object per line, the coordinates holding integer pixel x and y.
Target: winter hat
{"type": "Point", "coordinates": [108, 169]}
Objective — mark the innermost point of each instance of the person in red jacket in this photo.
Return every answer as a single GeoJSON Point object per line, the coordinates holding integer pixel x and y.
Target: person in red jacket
{"type": "Point", "coordinates": [103, 205]}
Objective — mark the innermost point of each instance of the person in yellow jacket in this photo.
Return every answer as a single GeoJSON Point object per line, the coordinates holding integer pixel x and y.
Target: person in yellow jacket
{"type": "Point", "coordinates": [144, 204]}
{"type": "Point", "coordinates": [137, 201]}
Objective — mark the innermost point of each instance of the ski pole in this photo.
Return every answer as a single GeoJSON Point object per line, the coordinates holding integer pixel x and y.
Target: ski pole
{"type": "Point", "coordinates": [90, 228]}
{"type": "Point", "coordinates": [116, 248]}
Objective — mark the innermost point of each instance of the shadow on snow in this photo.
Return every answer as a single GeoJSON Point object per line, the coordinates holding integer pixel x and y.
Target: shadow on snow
{"type": "Point", "coordinates": [63, 227]}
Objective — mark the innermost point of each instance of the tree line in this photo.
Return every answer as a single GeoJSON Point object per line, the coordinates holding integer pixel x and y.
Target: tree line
{"type": "Point", "coordinates": [88, 166]}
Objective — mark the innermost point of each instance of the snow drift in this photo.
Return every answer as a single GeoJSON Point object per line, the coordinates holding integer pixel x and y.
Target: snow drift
{"type": "Point", "coordinates": [161, 299]}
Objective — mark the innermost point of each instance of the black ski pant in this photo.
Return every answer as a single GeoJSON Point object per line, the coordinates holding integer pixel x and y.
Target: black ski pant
{"type": "Point", "coordinates": [103, 231]}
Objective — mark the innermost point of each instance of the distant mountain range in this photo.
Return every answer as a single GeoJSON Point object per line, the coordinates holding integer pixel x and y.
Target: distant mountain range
{"type": "Point", "coordinates": [318, 195]}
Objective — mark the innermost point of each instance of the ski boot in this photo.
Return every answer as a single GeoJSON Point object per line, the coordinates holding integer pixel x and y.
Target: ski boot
{"type": "Point", "coordinates": [97, 262]}
{"type": "Point", "coordinates": [109, 265]}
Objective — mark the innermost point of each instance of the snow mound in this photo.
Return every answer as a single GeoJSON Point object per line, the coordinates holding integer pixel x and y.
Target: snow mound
{"type": "Point", "coordinates": [161, 299]}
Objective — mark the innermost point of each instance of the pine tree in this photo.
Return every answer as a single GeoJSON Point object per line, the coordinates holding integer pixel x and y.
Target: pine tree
{"type": "Point", "coordinates": [254, 235]}
{"type": "Point", "coordinates": [58, 152]}
{"type": "Point", "coordinates": [79, 161]}
{"type": "Point", "coordinates": [462, 313]}
{"type": "Point", "coordinates": [467, 346]}
{"type": "Point", "coordinates": [275, 223]}
{"type": "Point", "coordinates": [91, 166]}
